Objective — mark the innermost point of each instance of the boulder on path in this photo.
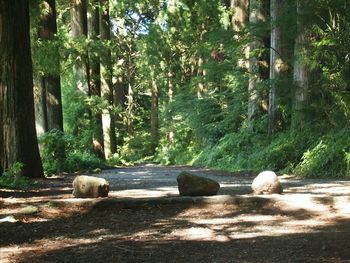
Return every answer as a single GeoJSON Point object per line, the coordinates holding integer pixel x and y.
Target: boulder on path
{"type": "Point", "coordinates": [267, 182]}
{"type": "Point", "coordinates": [193, 185]}
{"type": "Point", "coordinates": [90, 187]}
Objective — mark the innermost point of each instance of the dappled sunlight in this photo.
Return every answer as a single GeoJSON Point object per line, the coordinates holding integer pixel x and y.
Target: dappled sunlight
{"type": "Point", "coordinates": [142, 193]}
{"type": "Point", "coordinates": [229, 222]}
{"type": "Point", "coordinates": [339, 188]}
{"type": "Point", "coordinates": [35, 248]}
{"type": "Point", "coordinates": [144, 213]}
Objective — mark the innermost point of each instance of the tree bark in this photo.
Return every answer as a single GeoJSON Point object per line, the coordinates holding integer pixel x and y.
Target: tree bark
{"type": "Point", "coordinates": [94, 76]}
{"type": "Point", "coordinates": [108, 118]}
{"type": "Point", "coordinates": [300, 73]}
{"type": "Point", "coordinates": [239, 17]}
{"type": "Point", "coordinates": [200, 75]}
{"type": "Point", "coordinates": [278, 66]}
{"type": "Point", "coordinates": [119, 101]}
{"type": "Point", "coordinates": [52, 81]}
{"type": "Point", "coordinates": [256, 16]}
{"type": "Point", "coordinates": [154, 115]}
{"type": "Point", "coordinates": [18, 141]}
{"type": "Point", "coordinates": [79, 30]}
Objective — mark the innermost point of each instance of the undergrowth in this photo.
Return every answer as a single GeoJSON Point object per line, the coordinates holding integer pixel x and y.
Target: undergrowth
{"type": "Point", "coordinates": [14, 179]}
{"type": "Point", "coordinates": [66, 153]}
{"type": "Point", "coordinates": [306, 154]}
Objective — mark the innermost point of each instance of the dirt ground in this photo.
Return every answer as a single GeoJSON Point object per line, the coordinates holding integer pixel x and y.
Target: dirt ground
{"type": "Point", "coordinates": [144, 220]}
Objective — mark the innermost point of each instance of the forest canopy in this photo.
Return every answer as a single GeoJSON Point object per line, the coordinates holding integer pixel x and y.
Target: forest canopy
{"type": "Point", "coordinates": [231, 84]}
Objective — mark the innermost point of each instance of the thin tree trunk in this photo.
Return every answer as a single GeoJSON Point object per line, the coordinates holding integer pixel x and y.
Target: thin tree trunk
{"type": "Point", "coordinates": [300, 73]}
{"type": "Point", "coordinates": [255, 18]}
{"type": "Point", "coordinates": [79, 30]}
{"type": "Point", "coordinates": [130, 109]}
{"type": "Point", "coordinates": [170, 134]}
{"type": "Point", "coordinates": [94, 77]}
{"type": "Point", "coordinates": [18, 141]}
{"type": "Point", "coordinates": [130, 97]}
{"type": "Point", "coordinates": [48, 100]}
{"type": "Point", "coordinates": [154, 115]}
{"type": "Point", "coordinates": [239, 21]}
{"type": "Point", "coordinates": [200, 75]}
{"type": "Point", "coordinates": [108, 119]}
{"type": "Point", "coordinates": [278, 67]}
{"type": "Point", "coordinates": [119, 101]}
{"type": "Point", "coordinates": [240, 16]}
{"type": "Point", "coordinates": [40, 106]}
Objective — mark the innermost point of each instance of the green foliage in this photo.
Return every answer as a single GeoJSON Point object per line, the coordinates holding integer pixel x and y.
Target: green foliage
{"type": "Point", "coordinates": [135, 148]}
{"type": "Point", "coordinates": [177, 145]}
{"type": "Point", "coordinates": [78, 160]}
{"type": "Point", "coordinates": [328, 156]}
{"type": "Point", "coordinates": [163, 42]}
{"type": "Point", "coordinates": [52, 150]}
{"type": "Point", "coordinates": [245, 150]}
{"type": "Point", "coordinates": [14, 179]}
{"type": "Point", "coordinates": [64, 153]}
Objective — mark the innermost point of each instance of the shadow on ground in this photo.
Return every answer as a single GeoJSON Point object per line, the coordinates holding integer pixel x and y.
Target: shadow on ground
{"type": "Point", "coordinates": [304, 226]}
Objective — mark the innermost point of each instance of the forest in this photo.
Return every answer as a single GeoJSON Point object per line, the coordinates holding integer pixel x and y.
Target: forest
{"type": "Point", "coordinates": [174, 131]}
{"type": "Point", "coordinates": [237, 85]}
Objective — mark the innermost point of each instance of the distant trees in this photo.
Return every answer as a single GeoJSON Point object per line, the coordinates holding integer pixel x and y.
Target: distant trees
{"type": "Point", "coordinates": [184, 81]}
{"type": "Point", "coordinates": [18, 142]}
{"type": "Point", "coordinates": [48, 106]}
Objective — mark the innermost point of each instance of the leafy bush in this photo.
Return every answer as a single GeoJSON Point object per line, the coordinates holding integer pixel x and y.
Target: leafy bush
{"type": "Point", "coordinates": [52, 149]}
{"type": "Point", "coordinates": [80, 160]}
{"type": "Point", "coordinates": [13, 178]}
{"type": "Point", "coordinates": [135, 148]}
{"type": "Point", "coordinates": [247, 150]}
{"type": "Point", "coordinates": [60, 152]}
{"type": "Point", "coordinates": [329, 156]}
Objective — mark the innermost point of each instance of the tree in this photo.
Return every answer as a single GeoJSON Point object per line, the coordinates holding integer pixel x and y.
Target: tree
{"type": "Point", "coordinates": [256, 17]}
{"type": "Point", "coordinates": [278, 66]}
{"type": "Point", "coordinates": [51, 83]}
{"type": "Point", "coordinates": [108, 120]}
{"type": "Point", "coordinates": [79, 31]}
{"type": "Point", "coordinates": [300, 71]}
{"type": "Point", "coordinates": [154, 112]}
{"type": "Point", "coordinates": [94, 75]}
{"type": "Point", "coordinates": [18, 142]}
{"type": "Point", "coordinates": [239, 17]}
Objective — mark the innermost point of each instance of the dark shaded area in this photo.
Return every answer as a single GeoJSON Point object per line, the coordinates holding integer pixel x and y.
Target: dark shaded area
{"type": "Point", "coordinates": [119, 244]}
{"type": "Point", "coordinates": [142, 230]}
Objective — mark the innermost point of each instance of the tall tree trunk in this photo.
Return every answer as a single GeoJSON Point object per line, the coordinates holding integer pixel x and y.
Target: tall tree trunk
{"type": "Point", "coordinates": [256, 16]}
{"type": "Point", "coordinates": [240, 16]}
{"type": "Point", "coordinates": [18, 142]}
{"type": "Point", "coordinates": [200, 75]}
{"type": "Point", "coordinates": [130, 96]}
{"type": "Point", "coordinates": [79, 30]}
{"type": "Point", "coordinates": [108, 119]}
{"type": "Point", "coordinates": [239, 21]}
{"type": "Point", "coordinates": [300, 73]}
{"type": "Point", "coordinates": [119, 101]}
{"type": "Point", "coordinates": [94, 76]}
{"type": "Point", "coordinates": [40, 106]}
{"type": "Point", "coordinates": [49, 102]}
{"type": "Point", "coordinates": [170, 134]}
{"type": "Point", "coordinates": [278, 66]}
{"type": "Point", "coordinates": [154, 114]}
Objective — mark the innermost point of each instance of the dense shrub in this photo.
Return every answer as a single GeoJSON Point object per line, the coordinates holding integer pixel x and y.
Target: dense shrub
{"type": "Point", "coordinates": [14, 179]}
{"type": "Point", "coordinates": [61, 152]}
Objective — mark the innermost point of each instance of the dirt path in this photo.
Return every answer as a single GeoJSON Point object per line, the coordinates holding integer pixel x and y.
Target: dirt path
{"type": "Point", "coordinates": [144, 220]}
